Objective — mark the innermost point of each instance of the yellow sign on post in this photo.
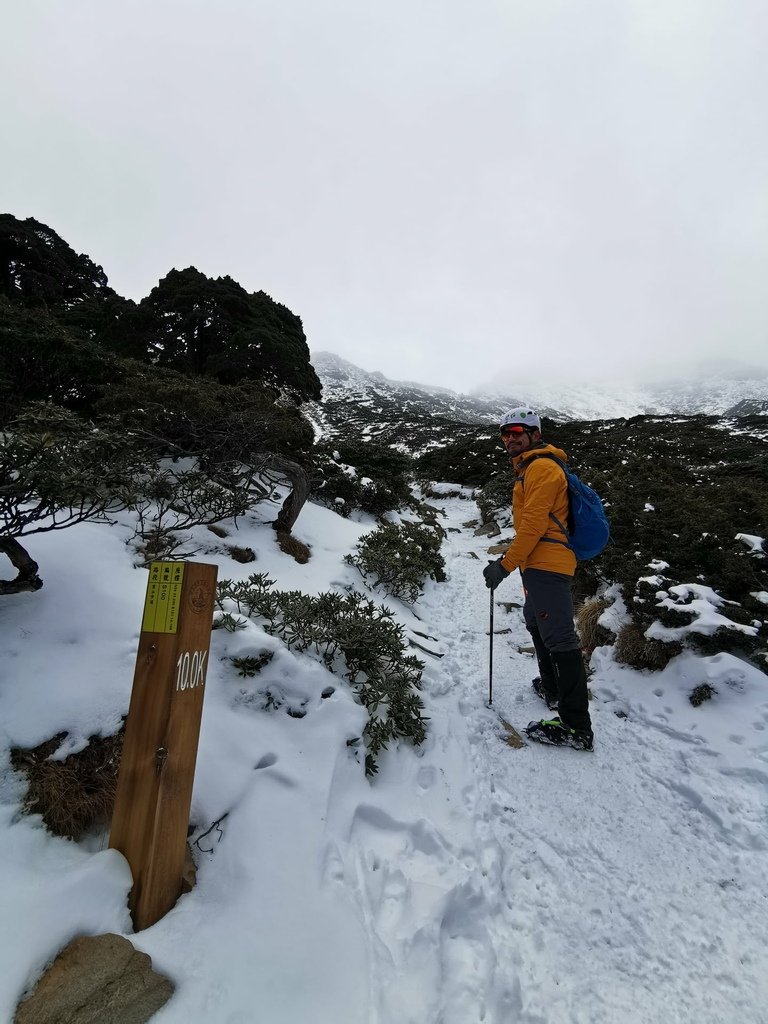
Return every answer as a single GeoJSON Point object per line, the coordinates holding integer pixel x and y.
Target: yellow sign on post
{"type": "Point", "coordinates": [161, 607]}
{"type": "Point", "coordinates": [157, 769]}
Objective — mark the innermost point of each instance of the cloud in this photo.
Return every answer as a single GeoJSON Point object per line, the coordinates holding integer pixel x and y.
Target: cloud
{"type": "Point", "coordinates": [437, 189]}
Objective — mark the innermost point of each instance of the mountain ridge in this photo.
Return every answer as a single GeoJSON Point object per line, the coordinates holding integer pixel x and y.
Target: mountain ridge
{"type": "Point", "coordinates": [713, 394]}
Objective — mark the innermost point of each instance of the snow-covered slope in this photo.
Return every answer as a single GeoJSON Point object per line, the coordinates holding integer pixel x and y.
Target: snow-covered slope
{"type": "Point", "coordinates": [469, 882]}
{"type": "Point", "coordinates": [344, 382]}
{"type": "Point", "coordinates": [719, 392]}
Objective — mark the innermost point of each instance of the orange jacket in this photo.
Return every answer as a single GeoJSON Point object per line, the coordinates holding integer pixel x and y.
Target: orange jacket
{"type": "Point", "coordinates": [539, 489]}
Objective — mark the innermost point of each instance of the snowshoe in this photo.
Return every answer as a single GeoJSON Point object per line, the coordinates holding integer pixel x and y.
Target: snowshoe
{"type": "Point", "coordinates": [549, 698]}
{"type": "Point", "coordinates": [556, 733]}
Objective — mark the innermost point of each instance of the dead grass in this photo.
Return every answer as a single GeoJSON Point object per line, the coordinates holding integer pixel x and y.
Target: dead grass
{"type": "Point", "coordinates": [291, 546]}
{"type": "Point", "coordinates": [633, 648]}
{"type": "Point", "coordinates": [240, 554]}
{"type": "Point", "coordinates": [76, 794]}
{"type": "Point", "coordinates": [219, 531]}
{"type": "Point", "coordinates": [591, 633]}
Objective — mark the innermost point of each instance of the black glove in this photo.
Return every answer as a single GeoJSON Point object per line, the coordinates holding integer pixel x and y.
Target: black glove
{"type": "Point", "coordinates": [494, 573]}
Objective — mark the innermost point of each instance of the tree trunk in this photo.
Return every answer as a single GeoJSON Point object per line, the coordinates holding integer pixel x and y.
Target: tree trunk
{"type": "Point", "coordinates": [27, 578]}
{"type": "Point", "coordinates": [294, 503]}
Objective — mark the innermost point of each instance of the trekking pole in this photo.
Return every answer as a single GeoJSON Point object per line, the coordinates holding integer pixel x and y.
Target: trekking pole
{"type": "Point", "coordinates": [490, 660]}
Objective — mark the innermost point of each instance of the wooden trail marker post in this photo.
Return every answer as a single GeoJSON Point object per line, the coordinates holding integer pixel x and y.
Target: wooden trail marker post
{"type": "Point", "coordinates": [157, 769]}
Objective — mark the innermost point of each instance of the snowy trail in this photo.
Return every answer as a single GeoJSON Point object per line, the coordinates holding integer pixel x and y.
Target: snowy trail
{"type": "Point", "coordinates": [554, 886]}
{"type": "Point", "coordinates": [469, 883]}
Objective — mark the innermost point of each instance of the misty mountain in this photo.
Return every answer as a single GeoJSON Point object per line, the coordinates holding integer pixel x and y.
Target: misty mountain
{"type": "Point", "coordinates": [363, 394]}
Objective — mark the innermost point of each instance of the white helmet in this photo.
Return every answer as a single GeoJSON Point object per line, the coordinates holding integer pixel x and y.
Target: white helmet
{"type": "Point", "coordinates": [525, 417]}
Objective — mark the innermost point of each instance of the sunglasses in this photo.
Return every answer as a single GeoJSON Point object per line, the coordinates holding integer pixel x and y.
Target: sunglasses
{"type": "Point", "coordinates": [513, 430]}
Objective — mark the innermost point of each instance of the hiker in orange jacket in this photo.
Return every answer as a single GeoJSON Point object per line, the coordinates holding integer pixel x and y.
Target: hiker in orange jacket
{"type": "Point", "coordinates": [547, 564]}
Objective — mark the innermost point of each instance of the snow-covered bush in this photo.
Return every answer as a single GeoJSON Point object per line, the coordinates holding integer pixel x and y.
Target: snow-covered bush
{"type": "Point", "coordinates": [400, 558]}
{"type": "Point", "coordinates": [353, 637]}
{"type": "Point", "coordinates": [56, 470]}
{"type": "Point", "coordinates": [364, 475]}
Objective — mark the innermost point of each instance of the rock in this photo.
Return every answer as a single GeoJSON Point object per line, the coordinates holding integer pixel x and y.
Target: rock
{"type": "Point", "coordinates": [500, 548]}
{"type": "Point", "coordinates": [99, 979]}
{"type": "Point", "coordinates": [489, 530]}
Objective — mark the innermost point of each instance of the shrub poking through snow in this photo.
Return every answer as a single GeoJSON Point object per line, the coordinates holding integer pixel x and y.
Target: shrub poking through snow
{"type": "Point", "coordinates": [229, 623]}
{"type": "Point", "coordinates": [77, 793]}
{"type": "Point", "coordinates": [353, 637]}
{"type": "Point", "coordinates": [251, 665]}
{"type": "Point", "coordinates": [701, 693]}
{"type": "Point", "coordinates": [400, 558]}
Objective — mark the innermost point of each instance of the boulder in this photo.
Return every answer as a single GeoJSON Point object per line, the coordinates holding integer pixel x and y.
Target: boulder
{"type": "Point", "coordinates": [500, 548]}
{"type": "Point", "coordinates": [98, 979]}
{"type": "Point", "coordinates": [489, 530]}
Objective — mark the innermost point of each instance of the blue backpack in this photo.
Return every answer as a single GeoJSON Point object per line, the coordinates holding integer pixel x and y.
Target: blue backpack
{"type": "Point", "coordinates": [588, 529]}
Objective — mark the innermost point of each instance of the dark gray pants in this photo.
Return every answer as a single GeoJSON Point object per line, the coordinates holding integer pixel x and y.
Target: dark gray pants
{"type": "Point", "coordinates": [548, 609]}
{"type": "Point", "coordinates": [548, 614]}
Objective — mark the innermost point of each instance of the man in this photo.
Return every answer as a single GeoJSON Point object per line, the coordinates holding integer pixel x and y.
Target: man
{"type": "Point", "coordinates": [540, 550]}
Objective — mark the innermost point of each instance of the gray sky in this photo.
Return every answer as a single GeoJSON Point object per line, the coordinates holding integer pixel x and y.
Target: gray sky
{"type": "Point", "coordinates": [445, 191]}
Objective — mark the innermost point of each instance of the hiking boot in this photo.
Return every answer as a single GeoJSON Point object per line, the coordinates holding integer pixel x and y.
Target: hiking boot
{"type": "Point", "coordinates": [549, 698]}
{"type": "Point", "coordinates": [557, 734]}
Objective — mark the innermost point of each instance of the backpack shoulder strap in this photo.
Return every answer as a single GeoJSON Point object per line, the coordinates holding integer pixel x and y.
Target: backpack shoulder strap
{"type": "Point", "coordinates": [541, 455]}
{"type": "Point", "coordinates": [548, 455]}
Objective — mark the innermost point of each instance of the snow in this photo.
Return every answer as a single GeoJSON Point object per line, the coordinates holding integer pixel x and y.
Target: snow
{"type": "Point", "coordinates": [756, 545]}
{"type": "Point", "coordinates": [700, 602]}
{"type": "Point", "coordinates": [469, 881]}
{"type": "Point", "coordinates": [616, 614]}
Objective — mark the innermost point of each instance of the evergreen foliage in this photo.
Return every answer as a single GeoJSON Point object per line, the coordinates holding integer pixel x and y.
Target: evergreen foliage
{"type": "Point", "coordinates": [349, 474]}
{"type": "Point", "coordinates": [351, 636]}
{"type": "Point", "coordinates": [251, 665]}
{"type": "Point", "coordinates": [189, 322]}
{"type": "Point", "coordinates": [170, 498]}
{"type": "Point", "coordinates": [218, 423]}
{"type": "Point", "coordinates": [39, 269]}
{"type": "Point", "coordinates": [400, 558]}
{"type": "Point", "coordinates": [57, 469]}
{"type": "Point", "coordinates": [43, 361]}
{"type": "Point", "coordinates": [466, 455]}
{"type": "Point", "coordinates": [214, 327]}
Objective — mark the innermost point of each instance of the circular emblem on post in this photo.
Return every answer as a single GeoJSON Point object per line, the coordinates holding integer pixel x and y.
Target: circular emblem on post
{"type": "Point", "coordinates": [199, 597]}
